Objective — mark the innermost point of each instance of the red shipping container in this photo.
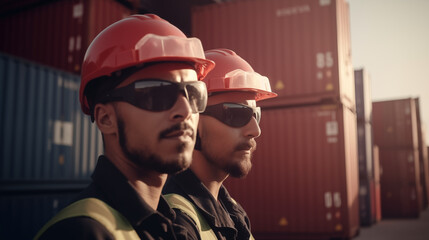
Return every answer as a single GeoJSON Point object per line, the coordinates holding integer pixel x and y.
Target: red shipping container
{"type": "Point", "coordinates": [57, 33]}
{"type": "Point", "coordinates": [302, 46]}
{"type": "Point", "coordinates": [304, 183]}
{"type": "Point", "coordinates": [400, 166]}
{"type": "Point", "coordinates": [376, 157]}
{"type": "Point", "coordinates": [377, 197]}
{"type": "Point", "coordinates": [400, 201]}
{"type": "Point", "coordinates": [395, 123]}
{"type": "Point", "coordinates": [423, 158]}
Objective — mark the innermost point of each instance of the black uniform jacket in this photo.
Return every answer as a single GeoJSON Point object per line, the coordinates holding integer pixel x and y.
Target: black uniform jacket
{"type": "Point", "coordinates": [111, 186]}
{"type": "Point", "coordinates": [227, 219]}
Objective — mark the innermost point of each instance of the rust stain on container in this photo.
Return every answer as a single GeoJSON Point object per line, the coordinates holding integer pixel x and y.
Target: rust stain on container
{"type": "Point", "coordinates": [303, 46]}
{"type": "Point", "coordinates": [305, 170]}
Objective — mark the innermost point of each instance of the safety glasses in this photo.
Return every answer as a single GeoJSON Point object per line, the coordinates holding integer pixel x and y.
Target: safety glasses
{"type": "Point", "coordinates": [233, 114]}
{"type": "Point", "coordinates": [159, 95]}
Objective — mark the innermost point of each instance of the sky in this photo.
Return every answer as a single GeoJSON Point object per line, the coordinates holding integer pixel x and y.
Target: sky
{"type": "Point", "coordinates": [390, 39]}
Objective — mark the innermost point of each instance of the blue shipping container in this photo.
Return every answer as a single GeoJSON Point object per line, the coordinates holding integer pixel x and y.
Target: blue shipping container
{"type": "Point", "coordinates": [44, 136]}
{"type": "Point", "coordinates": [22, 215]}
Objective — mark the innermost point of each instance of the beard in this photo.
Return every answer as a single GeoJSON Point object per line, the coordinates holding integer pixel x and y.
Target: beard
{"type": "Point", "coordinates": [237, 168]}
{"type": "Point", "coordinates": [146, 159]}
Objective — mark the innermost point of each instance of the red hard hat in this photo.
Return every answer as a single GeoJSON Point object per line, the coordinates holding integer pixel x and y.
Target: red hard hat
{"type": "Point", "coordinates": [233, 73]}
{"type": "Point", "coordinates": [135, 40]}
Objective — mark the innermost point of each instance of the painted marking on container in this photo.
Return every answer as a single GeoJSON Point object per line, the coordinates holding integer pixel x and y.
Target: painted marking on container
{"type": "Point", "coordinates": [363, 191]}
{"type": "Point", "coordinates": [319, 75]}
{"type": "Point", "coordinates": [283, 12]}
{"type": "Point", "coordinates": [324, 60]}
{"type": "Point", "coordinates": [410, 158]}
{"type": "Point", "coordinates": [324, 2]}
{"type": "Point", "coordinates": [338, 227]}
{"type": "Point", "coordinates": [328, 199]}
{"type": "Point", "coordinates": [338, 214]}
{"type": "Point", "coordinates": [78, 42]}
{"type": "Point", "coordinates": [337, 199]}
{"type": "Point", "coordinates": [71, 44]}
{"type": "Point", "coordinates": [283, 221]}
{"type": "Point", "coordinates": [63, 133]}
{"type": "Point", "coordinates": [279, 85]}
{"type": "Point", "coordinates": [78, 10]}
{"type": "Point", "coordinates": [331, 128]}
{"type": "Point", "coordinates": [332, 139]}
{"type": "Point", "coordinates": [329, 216]}
{"type": "Point", "coordinates": [329, 87]}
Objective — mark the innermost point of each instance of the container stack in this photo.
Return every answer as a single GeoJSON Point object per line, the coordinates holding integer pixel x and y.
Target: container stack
{"type": "Point", "coordinates": [60, 31]}
{"type": "Point", "coordinates": [423, 157]}
{"type": "Point", "coordinates": [396, 134]}
{"type": "Point", "coordinates": [304, 181]}
{"type": "Point", "coordinates": [368, 182]}
{"type": "Point", "coordinates": [48, 148]}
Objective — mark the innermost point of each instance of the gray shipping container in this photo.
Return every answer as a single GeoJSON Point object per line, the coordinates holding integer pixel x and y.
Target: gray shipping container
{"type": "Point", "coordinates": [23, 214]}
{"type": "Point", "coordinates": [44, 136]}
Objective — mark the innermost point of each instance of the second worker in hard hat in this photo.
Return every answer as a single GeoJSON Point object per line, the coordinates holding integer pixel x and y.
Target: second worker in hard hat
{"type": "Point", "coordinates": [225, 142]}
{"type": "Point", "coordinates": [139, 83]}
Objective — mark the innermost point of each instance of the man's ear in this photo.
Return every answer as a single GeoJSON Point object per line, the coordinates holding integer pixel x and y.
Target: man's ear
{"type": "Point", "coordinates": [105, 118]}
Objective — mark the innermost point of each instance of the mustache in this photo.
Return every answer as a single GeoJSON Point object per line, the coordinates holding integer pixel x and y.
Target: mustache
{"type": "Point", "coordinates": [182, 126]}
{"type": "Point", "coordinates": [246, 145]}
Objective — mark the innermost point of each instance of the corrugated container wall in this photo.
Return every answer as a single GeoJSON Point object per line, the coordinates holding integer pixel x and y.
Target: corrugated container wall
{"type": "Point", "coordinates": [363, 96]}
{"type": "Point", "coordinates": [304, 181]}
{"type": "Point", "coordinates": [302, 46]}
{"type": "Point", "coordinates": [57, 33]}
{"type": "Point", "coordinates": [44, 136]}
{"type": "Point", "coordinates": [365, 147]}
{"type": "Point", "coordinates": [396, 134]}
{"type": "Point", "coordinates": [395, 123]}
{"type": "Point", "coordinates": [22, 215]}
{"type": "Point", "coordinates": [423, 157]}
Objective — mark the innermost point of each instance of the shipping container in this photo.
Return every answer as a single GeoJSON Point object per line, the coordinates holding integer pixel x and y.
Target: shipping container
{"type": "Point", "coordinates": [23, 214]}
{"type": "Point", "coordinates": [375, 202]}
{"type": "Point", "coordinates": [400, 201]}
{"type": "Point", "coordinates": [363, 96]}
{"type": "Point", "coordinates": [302, 46]}
{"type": "Point", "coordinates": [400, 166]}
{"type": "Point", "coordinates": [423, 157]}
{"type": "Point", "coordinates": [57, 33]}
{"type": "Point", "coordinates": [395, 123]}
{"type": "Point", "coordinates": [376, 197]}
{"type": "Point", "coordinates": [44, 136]}
{"type": "Point", "coordinates": [376, 158]}
{"type": "Point", "coordinates": [366, 175]}
{"type": "Point", "coordinates": [304, 180]}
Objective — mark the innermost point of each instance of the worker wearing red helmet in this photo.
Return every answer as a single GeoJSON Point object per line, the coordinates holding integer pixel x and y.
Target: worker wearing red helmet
{"type": "Point", "coordinates": [225, 143]}
{"type": "Point", "coordinates": [139, 83]}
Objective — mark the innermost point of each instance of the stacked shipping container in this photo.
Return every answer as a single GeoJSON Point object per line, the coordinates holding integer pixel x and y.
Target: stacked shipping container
{"type": "Point", "coordinates": [396, 135]}
{"type": "Point", "coordinates": [367, 180]}
{"type": "Point", "coordinates": [57, 33]}
{"type": "Point", "coordinates": [423, 158]}
{"type": "Point", "coordinates": [46, 143]}
{"type": "Point", "coordinates": [304, 183]}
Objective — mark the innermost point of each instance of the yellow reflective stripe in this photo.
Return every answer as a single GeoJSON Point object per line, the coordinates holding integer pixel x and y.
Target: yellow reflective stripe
{"type": "Point", "coordinates": [178, 202]}
{"type": "Point", "coordinates": [98, 210]}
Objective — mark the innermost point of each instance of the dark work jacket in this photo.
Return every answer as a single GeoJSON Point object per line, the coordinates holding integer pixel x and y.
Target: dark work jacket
{"type": "Point", "coordinates": [226, 218]}
{"type": "Point", "coordinates": [111, 186]}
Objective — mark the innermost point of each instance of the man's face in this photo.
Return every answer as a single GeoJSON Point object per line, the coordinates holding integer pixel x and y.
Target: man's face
{"type": "Point", "coordinates": [229, 148]}
{"type": "Point", "coordinates": [162, 141]}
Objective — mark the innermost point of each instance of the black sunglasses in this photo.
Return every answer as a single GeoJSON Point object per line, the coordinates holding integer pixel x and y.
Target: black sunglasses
{"type": "Point", "coordinates": [159, 95]}
{"type": "Point", "coordinates": [233, 114]}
